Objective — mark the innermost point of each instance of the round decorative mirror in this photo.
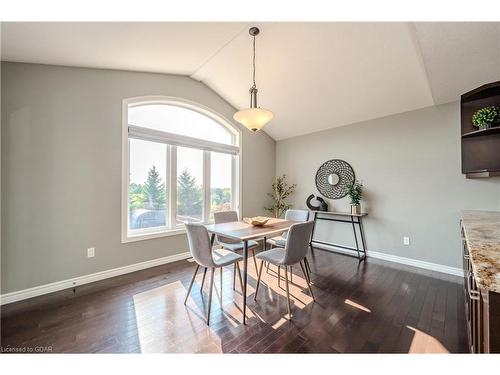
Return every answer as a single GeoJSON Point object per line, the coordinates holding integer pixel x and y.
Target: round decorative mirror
{"type": "Point", "coordinates": [333, 178]}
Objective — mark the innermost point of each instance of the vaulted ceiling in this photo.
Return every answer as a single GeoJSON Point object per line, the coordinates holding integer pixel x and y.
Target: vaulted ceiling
{"type": "Point", "coordinates": [313, 76]}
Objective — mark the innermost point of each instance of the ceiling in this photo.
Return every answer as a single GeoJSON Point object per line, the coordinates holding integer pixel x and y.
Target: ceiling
{"type": "Point", "coordinates": [313, 76]}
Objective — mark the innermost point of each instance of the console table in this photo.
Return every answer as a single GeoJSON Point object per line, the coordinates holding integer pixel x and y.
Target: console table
{"type": "Point", "coordinates": [342, 217]}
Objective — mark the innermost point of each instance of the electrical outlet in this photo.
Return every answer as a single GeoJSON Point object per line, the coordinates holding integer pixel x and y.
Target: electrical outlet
{"type": "Point", "coordinates": [406, 241]}
{"type": "Point", "coordinates": [90, 252]}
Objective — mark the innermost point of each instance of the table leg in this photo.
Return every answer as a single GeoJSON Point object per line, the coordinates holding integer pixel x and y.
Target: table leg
{"type": "Point", "coordinates": [212, 239]}
{"type": "Point", "coordinates": [245, 274]}
{"type": "Point", "coordinates": [264, 246]}
{"type": "Point", "coordinates": [355, 237]}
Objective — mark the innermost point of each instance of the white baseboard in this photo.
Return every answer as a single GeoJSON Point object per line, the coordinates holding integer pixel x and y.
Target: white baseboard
{"type": "Point", "coordinates": [402, 260]}
{"type": "Point", "coordinates": [81, 280]}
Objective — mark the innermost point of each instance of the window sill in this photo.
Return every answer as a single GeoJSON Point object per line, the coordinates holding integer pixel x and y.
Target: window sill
{"type": "Point", "coordinates": [153, 235]}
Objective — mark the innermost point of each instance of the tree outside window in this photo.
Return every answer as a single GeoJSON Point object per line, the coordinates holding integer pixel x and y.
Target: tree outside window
{"type": "Point", "coordinates": [147, 202]}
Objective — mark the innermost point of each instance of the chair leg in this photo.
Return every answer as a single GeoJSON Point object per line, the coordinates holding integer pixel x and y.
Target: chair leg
{"type": "Point", "coordinates": [307, 271]}
{"type": "Point", "coordinates": [203, 280]}
{"type": "Point", "coordinates": [308, 282]}
{"type": "Point", "coordinates": [191, 284]}
{"type": "Point", "coordinates": [221, 286]}
{"type": "Point", "coordinates": [255, 261]}
{"type": "Point", "coordinates": [312, 249]}
{"type": "Point", "coordinates": [267, 271]}
{"type": "Point", "coordinates": [288, 295]}
{"type": "Point", "coordinates": [308, 277]}
{"type": "Point", "coordinates": [258, 281]}
{"type": "Point", "coordinates": [239, 275]}
{"type": "Point", "coordinates": [279, 276]}
{"type": "Point", "coordinates": [234, 276]}
{"type": "Point", "coordinates": [210, 294]}
{"type": "Point", "coordinates": [308, 267]}
{"type": "Point", "coordinates": [291, 275]}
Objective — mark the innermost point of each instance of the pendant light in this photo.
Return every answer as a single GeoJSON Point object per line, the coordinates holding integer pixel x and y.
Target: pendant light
{"type": "Point", "coordinates": [253, 118]}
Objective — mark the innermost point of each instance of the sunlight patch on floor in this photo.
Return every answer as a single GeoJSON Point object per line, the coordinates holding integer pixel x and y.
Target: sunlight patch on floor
{"type": "Point", "coordinates": [425, 343]}
{"type": "Point", "coordinates": [164, 324]}
{"type": "Point", "coordinates": [356, 305]}
{"type": "Point", "coordinates": [279, 323]}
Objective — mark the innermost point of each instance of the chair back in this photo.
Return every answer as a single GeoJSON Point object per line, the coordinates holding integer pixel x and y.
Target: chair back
{"type": "Point", "coordinates": [295, 215]}
{"type": "Point", "coordinates": [297, 242]}
{"type": "Point", "coordinates": [199, 244]}
{"type": "Point", "coordinates": [225, 217]}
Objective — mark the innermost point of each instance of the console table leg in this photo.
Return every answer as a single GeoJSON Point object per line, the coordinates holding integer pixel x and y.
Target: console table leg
{"type": "Point", "coordinates": [312, 234]}
{"type": "Point", "coordinates": [355, 237]}
{"type": "Point", "coordinates": [362, 235]}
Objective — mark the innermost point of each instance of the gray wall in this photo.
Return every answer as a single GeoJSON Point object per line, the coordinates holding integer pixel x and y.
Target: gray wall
{"type": "Point", "coordinates": [61, 169]}
{"type": "Point", "coordinates": [410, 167]}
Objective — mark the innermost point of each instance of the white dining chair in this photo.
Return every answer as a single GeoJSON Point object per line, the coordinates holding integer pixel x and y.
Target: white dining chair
{"type": "Point", "coordinates": [292, 215]}
{"type": "Point", "coordinates": [294, 252]}
{"type": "Point", "coordinates": [201, 251]}
{"type": "Point", "coordinates": [280, 241]}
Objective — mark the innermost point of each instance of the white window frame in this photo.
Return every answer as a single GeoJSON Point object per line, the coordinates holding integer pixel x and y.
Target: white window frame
{"type": "Point", "coordinates": [173, 140]}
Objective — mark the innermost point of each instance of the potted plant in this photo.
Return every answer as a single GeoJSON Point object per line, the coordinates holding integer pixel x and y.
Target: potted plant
{"type": "Point", "coordinates": [355, 192]}
{"type": "Point", "coordinates": [487, 117]}
{"type": "Point", "coordinates": [281, 191]}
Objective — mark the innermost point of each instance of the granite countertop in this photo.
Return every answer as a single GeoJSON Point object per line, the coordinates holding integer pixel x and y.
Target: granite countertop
{"type": "Point", "coordinates": [482, 232]}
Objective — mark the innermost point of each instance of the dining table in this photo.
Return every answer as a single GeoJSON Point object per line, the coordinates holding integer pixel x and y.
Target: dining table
{"type": "Point", "coordinates": [244, 232]}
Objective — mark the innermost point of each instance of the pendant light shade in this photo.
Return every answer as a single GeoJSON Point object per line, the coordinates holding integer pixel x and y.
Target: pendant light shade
{"type": "Point", "coordinates": [253, 118]}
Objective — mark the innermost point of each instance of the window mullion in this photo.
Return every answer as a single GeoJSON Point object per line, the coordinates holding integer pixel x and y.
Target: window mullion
{"type": "Point", "coordinates": [206, 186]}
{"type": "Point", "coordinates": [128, 186]}
{"type": "Point", "coordinates": [173, 186]}
{"type": "Point", "coordinates": [167, 186]}
{"type": "Point", "coordinates": [234, 184]}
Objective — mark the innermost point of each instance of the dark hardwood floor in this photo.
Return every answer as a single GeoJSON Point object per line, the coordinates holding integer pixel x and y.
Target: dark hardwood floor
{"type": "Point", "coordinates": [372, 307]}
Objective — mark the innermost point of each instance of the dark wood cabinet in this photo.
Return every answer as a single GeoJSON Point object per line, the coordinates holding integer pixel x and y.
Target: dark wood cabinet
{"type": "Point", "coordinates": [482, 310]}
{"type": "Point", "coordinates": [480, 148]}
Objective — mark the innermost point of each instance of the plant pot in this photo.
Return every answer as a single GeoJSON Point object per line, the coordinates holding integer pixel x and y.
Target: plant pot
{"type": "Point", "coordinates": [484, 126]}
{"type": "Point", "coordinates": [355, 209]}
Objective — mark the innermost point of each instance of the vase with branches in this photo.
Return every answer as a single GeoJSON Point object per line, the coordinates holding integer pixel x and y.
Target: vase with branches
{"type": "Point", "coordinates": [281, 191]}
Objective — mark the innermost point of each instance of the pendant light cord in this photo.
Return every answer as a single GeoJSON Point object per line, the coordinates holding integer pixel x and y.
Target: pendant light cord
{"type": "Point", "coordinates": [254, 85]}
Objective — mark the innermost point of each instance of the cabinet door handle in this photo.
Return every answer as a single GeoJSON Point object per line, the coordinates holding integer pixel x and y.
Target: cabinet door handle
{"type": "Point", "coordinates": [473, 293]}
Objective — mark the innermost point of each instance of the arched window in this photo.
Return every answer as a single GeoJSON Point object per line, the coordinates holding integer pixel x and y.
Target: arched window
{"type": "Point", "coordinates": [180, 163]}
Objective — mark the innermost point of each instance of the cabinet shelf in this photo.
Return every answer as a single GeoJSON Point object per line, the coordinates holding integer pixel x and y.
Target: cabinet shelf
{"type": "Point", "coordinates": [476, 133]}
{"type": "Point", "coordinates": [480, 156]}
